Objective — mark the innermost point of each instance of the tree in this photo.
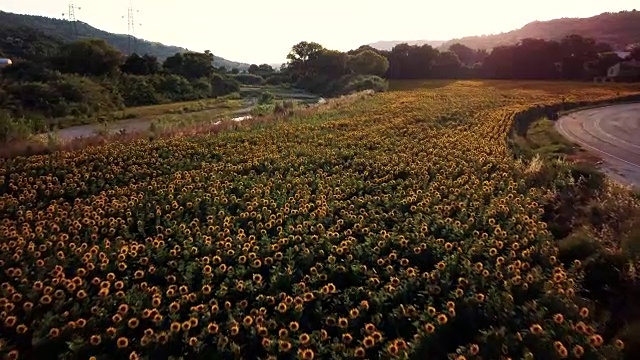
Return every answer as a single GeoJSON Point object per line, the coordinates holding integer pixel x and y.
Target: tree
{"type": "Point", "coordinates": [253, 69]}
{"type": "Point", "coordinates": [191, 65]}
{"type": "Point", "coordinates": [262, 70]}
{"type": "Point", "coordinates": [635, 53]}
{"type": "Point", "coordinates": [600, 66]}
{"type": "Point", "coordinates": [87, 57]}
{"type": "Point", "coordinates": [368, 62]}
{"type": "Point", "coordinates": [465, 54]}
{"type": "Point", "coordinates": [446, 65]}
{"type": "Point", "coordinates": [265, 69]}
{"type": "Point", "coordinates": [301, 54]}
{"type": "Point", "coordinates": [363, 48]}
{"type": "Point", "coordinates": [140, 65]}
{"type": "Point", "coordinates": [152, 63]}
{"type": "Point", "coordinates": [331, 64]}
{"type": "Point", "coordinates": [411, 61]}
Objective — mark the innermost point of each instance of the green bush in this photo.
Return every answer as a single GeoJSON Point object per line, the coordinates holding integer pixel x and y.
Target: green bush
{"type": "Point", "coordinates": [173, 88]}
{"type": "Point", "coordinates": [354, 83]}
{"type": "Point", "coordinates": [588, 176]}
{"type": "Point", "coordinates": [138, 91]}
{"type": "Point", "coordinates": [68, 95]}
{"type": "Point", "coordinates": [604, 275]}
{"type": "Point", "coordinates": [28, 71]}
{"type": "Point", "coordinates": [223, 85]}
{"type": "Point", "coordinates": [34, 97]}
{"type": "Point", "coordinates": [262, 110]}
{"type": "Point", "coordinates": [577, 246]}
{"type": "Point", "coordinates": [265, 98]}
{"type": "Point", "coordinates": [202, 88]}
{"type": "Point", "coordinates": [249, 79]}
{"type": "Point", "coordinates": [278, 79]}
{"type": "Point", "coordinates": [13, 129]}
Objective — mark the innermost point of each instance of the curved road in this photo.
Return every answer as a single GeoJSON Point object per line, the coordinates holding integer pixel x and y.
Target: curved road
{"type": "Point", "coordinates": [612, 133]}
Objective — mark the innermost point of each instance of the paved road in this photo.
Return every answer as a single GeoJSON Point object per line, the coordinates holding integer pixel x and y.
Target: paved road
{"type": "Point", "coordinates": [612, 133]}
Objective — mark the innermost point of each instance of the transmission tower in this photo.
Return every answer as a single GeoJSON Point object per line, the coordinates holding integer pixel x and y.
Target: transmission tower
{"type": "Point", "coordinates": [71, 17]}
{"type": "Point", "coordinates": [131, 28]}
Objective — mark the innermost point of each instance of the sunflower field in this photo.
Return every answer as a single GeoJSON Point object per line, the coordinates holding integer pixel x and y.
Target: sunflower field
{"type": "Point", "coordinates": [397, 226]}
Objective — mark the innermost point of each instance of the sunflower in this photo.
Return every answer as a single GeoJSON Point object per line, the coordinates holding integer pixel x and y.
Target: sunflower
{"type": "Point", "coordinates": [122, 342]}
{"type": "Point", "coordinates": [429, 328]}
{"type": "Point", "coordinates": [307, 354]}
{"type": "Point", "coordinates": [343, 322]}
{"type": "Point", "coordinates": [95, 340]}
{"type": "Point", "coordinates": [536, 329]}
{"type": "Point", "coordinates": [584, 312]}
{"type": "Point", "coordinates": [294, 326]}
{"type": "Point", "coordinates": [133, 323]}
{"type": "Point", "coordinates": [368, 342]}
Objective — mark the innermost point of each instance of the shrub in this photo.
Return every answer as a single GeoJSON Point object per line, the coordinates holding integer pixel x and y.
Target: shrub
{"type": "Point", "coordinates": [355, 83]}
{"type": "Point", "coordinates": [173, 87]}
{"type": "Point", "coordinates": [279, 79]}
{"type": "Point", "coordinates": [34, 96]}
{"type": "Point", "coordinates": [138, 91]}
{"type": "Point", "coordinates": [577, 246]}
{"type": "Point", "coordinates": [202, 88]}
{"type": "Point", "coordinates": [14, 129]}
{"type": "Point", "coordinates": [265, 98]}
{"type": "Point", "coordinates": [631, 242]}
{"type": "Point", "coordinates": [28, 71]}
{"type": "Point", "coordinates": [68, 95]}
{"type": "Point", "coordinates": [249, 79]}
{"type": "Point", "coordinates": [588, 175]}
{"type": "Point", "coordinates": [223, 85]}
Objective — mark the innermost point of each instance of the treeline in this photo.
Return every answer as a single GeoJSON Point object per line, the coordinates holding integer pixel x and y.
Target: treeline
{"type": "Point", "coordinates": [90, 77]}
{"type": "Point", "coordinates": [573, 58]}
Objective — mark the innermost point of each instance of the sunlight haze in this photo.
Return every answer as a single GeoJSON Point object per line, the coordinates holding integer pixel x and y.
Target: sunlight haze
{"type": "Point", "coordinates": [255, 31]}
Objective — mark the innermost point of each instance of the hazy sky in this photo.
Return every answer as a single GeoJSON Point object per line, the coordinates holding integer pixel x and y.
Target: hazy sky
{"type": "Point", "coordinates": [263, 31]}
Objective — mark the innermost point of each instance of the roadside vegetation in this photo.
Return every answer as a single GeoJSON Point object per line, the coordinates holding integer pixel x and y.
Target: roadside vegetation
{"type": "Point", "coordinates": [594, 220]}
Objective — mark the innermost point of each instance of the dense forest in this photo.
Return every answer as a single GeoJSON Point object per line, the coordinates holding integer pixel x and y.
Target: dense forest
{"type": "Point", "coordinates": [66, 31]}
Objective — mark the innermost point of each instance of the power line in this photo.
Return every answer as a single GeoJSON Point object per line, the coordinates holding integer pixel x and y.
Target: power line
{"type": "Point", "coordinates": [131, 28]}
{"type": "Point", "coordinates": [71, 17]}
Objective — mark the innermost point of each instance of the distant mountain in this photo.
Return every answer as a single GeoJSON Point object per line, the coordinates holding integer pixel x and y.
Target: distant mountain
{"type": "Point", "coordinates": [620, 30]}
{"type": "Point", "coordinates": [388, 45]}
{"type": "Point", "coordinates": [617, 29]}
{"type": "Point", "coordinates": [65, 31]}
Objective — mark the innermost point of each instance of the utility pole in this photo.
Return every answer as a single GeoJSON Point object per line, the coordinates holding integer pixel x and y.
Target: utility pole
{"type": "Point", "coordinates": [71, 17]}
{"type": "Point", "coordinates": [131, 29]}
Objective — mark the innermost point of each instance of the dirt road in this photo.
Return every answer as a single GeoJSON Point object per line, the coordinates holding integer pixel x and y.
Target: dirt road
{"type": "Point", "coordinates": [612, 133]}
{"type": "Point", "coordinates": [131, 125]}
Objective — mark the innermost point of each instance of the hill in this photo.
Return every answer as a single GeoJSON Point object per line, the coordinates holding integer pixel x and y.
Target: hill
{"type": "Point", "coordinates": [617, 29]}
{"type": "Point", "coordinates": [388, 45]}
{"type": "Point", "coordinates": [63, 30]}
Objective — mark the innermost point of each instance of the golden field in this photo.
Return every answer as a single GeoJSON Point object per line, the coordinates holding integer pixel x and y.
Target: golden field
{"type": "Point", "coordinates": [397, 226]}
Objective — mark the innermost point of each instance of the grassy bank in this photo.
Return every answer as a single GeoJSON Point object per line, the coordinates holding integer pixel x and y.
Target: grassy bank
{"type": "Point", "coordinates": [594, 220]}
